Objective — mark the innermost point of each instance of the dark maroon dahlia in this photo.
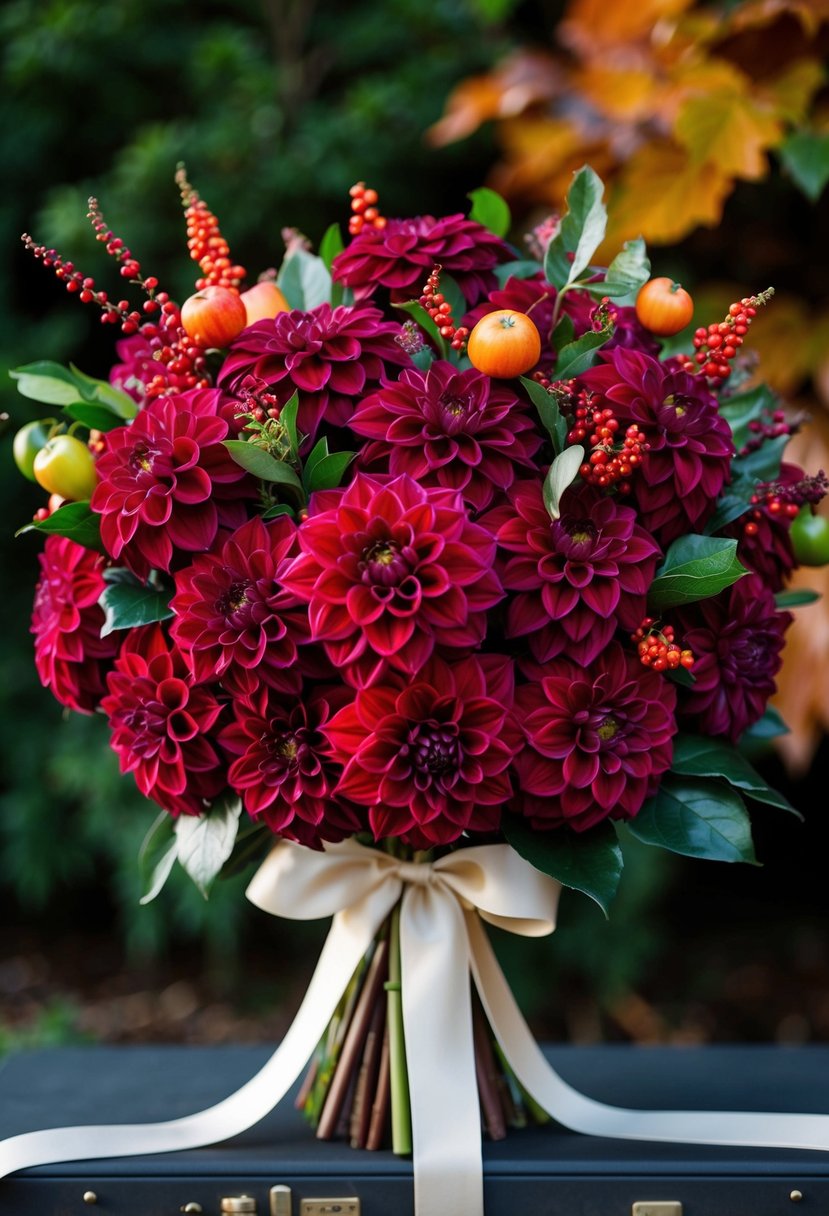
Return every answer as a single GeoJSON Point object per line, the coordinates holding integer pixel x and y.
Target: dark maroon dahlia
{"type": "Point", "coordinates": [70, 655]}
{"type": "Point", "coordinates": [680, 478]}
{"type": "Point", "coordinates": [161, 724]}
{"type": "Point", "coordinates": [597, 740]}
{"type": "Point", "coordinates": [333, 356]}
{"type": "Point", "coordinates": [166, 483]}
{"type": "Point", "coordinates": [576, 579]}
{"type": "Point", "coordinates": [736, 638]}
{"type": "Point", "coordinates": [429, 755]}
{"type": "Point", "coordinates": [390, 571]}
{"type": "Point", "coordinates": [283, 765]}
{"type": "Point", "coordinates": [402, 255]}
{"type": "Point", "coordinates": [765, 545]}
{"type": "Point", "coordinates": [460, 430]}
{"type": "Point", "coordinates": [234, 620]}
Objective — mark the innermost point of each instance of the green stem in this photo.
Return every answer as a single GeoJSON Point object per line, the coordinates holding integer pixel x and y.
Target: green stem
{"type": "Point", "coordinates": [401, 1118]}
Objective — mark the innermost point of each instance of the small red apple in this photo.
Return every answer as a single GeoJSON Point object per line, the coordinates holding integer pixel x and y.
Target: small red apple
{"type": "Point", "coordinates": [213, 317]}
{"type": "Point", "coordinates": [263, 301]}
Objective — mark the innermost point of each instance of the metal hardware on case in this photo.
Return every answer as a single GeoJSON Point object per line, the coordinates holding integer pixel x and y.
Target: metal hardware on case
{"type": "Point", "coordinates": [191, 1207]}
{"type": "Point", "coordinates": [795, 1196]}
{"type": "Point", "coordinates": [657, 1207]}
{"type": "Point", "coordinates": [238, 1203]}
{"type": "Point", "coordinates": [90, 1197]}
{"type": "Point", "coordinates": [281, 1204]}
{"type": "Point", "coordinates": [330, 1207]}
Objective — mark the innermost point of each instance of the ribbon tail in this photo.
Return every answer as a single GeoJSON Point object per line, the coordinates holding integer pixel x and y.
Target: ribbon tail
{"type": "Point", "coordinates": [347, 942]}
{"type": "Point", "coordinates": [437, 1022]}
{"type": "Point", "coordinates": [579, 1113]}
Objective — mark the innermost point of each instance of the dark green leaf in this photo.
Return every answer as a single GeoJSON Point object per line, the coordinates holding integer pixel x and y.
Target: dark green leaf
{"type": "Point", "coordinates": [702, 756]}
{"type": "Point", "coordinates": [74, 520]}
{"type": "Point", "coordinates": [730, 506]}
{"type": "Point", "coordinates": [582, 230]}
{"type": "Point", "coordinates": [770, 726]}
{"type": "Point", "coordinates": [590, 862]}
{"type": "Point", "coordinates": [261, 464]}
{"type": "Point", "coordinates": [318, 452]}
{"type": "Point", "coordinates": [423, 358]}
{"type": "Point", "coordinates": [127, 606]}
{"type": "Point", "coordinates": [696, 818]}
{"type": "Point", "coordinates": [742, 409]}
{"type": "Point", "coordinates": [454, 297]}
{"type": "Point", "coordinates": [681, 676]}
{"type": "Point", "coordinates": [796, 598]}
{"type": "Point", "coordinates": [628, 271]}
{"type": "Point", "coordinates": [328, 472]}
{"type": "Point", "coordinates": [563, 334]}
{"type": "Point", "coordinates": [287, 416]}
{"type": "Point", "coordinates": [304, 280]}
{"type": "Point", "coordinates": [576, 357]}
{"type": "Point", "coordinates": [490, 210]}
{"type": "Point", "coordinates": [157, 856]}
{"type": "Point", "coordinates": [523, 268]}
{"type": "Point", "coordinates": [695, 568]}
{"type": "Point", "coordinates": [805, 156]}
{"type": "Point", "coordinates": [206, 841]}
{"type": "Point", "coordinates": [419, 314]}
{"type": "Point", "coordinates": [279, 508]}
{"type": "Point", "coordinates": [548, 411]}
{"type": "Point", "coordinates": [96, 417]}
{"type": "Point", "coordinates": [331, 244]}
{"type": "Point", "coordinates": [764, 463]}
{"type": "Point", "coordinates": [562, 473]}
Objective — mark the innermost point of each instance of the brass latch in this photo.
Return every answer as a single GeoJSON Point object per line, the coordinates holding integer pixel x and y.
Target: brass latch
{"type": "Point", "coordinates": [330, 1207]}
{"type": "Point", "coordinates": [657, 1207]}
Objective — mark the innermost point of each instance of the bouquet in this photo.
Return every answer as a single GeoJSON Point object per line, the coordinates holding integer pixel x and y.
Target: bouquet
{"type": "Point", "coordinates": [422, 545]}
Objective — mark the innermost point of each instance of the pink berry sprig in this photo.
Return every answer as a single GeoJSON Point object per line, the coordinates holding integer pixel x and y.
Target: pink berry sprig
{"type": "Point", "coordinates": [717, 345]}
{"type": "Point", "coordinates": [440, 310]}
{"type": "Point", "coordinates": [658, 648]}
{"type": "Point", "coordinates": [205, 241]}
{"type": "Point", "coordinates": [365, 210]}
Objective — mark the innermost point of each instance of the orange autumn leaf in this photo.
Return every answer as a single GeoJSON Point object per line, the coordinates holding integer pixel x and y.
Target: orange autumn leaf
{"type": "Point", "coordinates": [521, 81]}
{"type": "Point", "coordinates": [729, 130]}
{"type": "Point", "coordinates": [791, 341]}
{"type": "Point", "coordinates": [539, 151]}
{"type": "Point", "coordinates": [597, 23]}
{"type": "Point", "coordinates": [625, 94]}
{"type": "Point", "coordinates": [809, 13]}
{"type": "Point", "coordinates": [792, 92]}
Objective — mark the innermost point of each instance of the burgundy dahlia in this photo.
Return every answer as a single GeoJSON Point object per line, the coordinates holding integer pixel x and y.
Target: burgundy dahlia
{"type": "Point", "coordinates": [597, 739]}
{"type": "Point", "coordinates": [390, 570]}
{"type": "Point", "coordinates": [167, 483]}
{"type": "Point", "coordinates": [402, 255]}
{"type": "Point", "coordinates": [137, 367]}
{"type": "Point", "coordinates": [233, 619]}
{"type": "Point", "coordinates": [161, 722]}
{"type": "Point", "coordinates": [333, 356]}
{"type": "Point", "coordinates": [429, 755]}
{"type": "Point", "coordinates": [460, 430]}
{"type": "Point", "coordinates": [765, 545]}
{"type": "Point", "coordinates": [680, 478]}
{"type": "Point", "coordinates": [70, 655]}
{"type": "Point", "coordinates": [736, 638]}
{"type": "Point", "coordinates": [575, 579]}
{"type": "Point", "coordinates": [284, 768]}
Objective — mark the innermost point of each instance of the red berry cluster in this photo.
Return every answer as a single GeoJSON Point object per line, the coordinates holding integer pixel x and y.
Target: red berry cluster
{"type": "Point", "coordinates": [366, 213]}
{"type": "Point", "coordinates": [783, 501]}
{"type": "Point", "coordinates": [440, 310]}
{"type": "Point", "coordinates": [609, 464]}
{"type": "Point", "coordinates": [718, 344]}
{"type": "Point", "coordinates": [204, 240]}
{"type": "Point", "coordinates": [658, 648]}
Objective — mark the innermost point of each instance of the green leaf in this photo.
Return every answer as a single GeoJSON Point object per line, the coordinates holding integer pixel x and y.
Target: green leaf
{"type": "Point", "coordinates": [770, 726]}
{"type": "Point", "coordinates": [490, 210]}
{"type": "Point", "coordinates": [419, 314]}
{"type": "Point", "coordinates": [582, 230]}
{"type": "Point", "coordinates": [796, 598]}
{"type": "Point", "coordinates": [562, 473]}
{"type": "Point", "coordinates": [702, 756]}
{"type": "Point", "coordinates": [590, 862]}
{"type": "Point", "coordinates": [628, 271]}
{"type": "Point", "coordinates": [695, 568]}
{"type": "Point", "coordinates": [279, 508]}
{"type": "Point", "coordinates": [763, 464]}
{"type": "Point", "coordinates": [805, 156]}
{"type": "Point", "coordinates": [696, 818]}
{"type": "Point", "coordinates": [681, 676]}
{"type": "Point", "coordinates": [331, 244]}
{"type": "Point", "coordinates": [576, 357]}
{"type": "Point", "coordinates": [423, 358]}
{"type": "Point", "coordinates": [318, 452]}
{"type": "Point", "coordinates": [46, 382]}
{"type": "Point", "coordinates": [454, 297]}
{"type": "Point", "coordinates": [548, 411]}
{"type": "Point", "coordinates": [96, 417]}
{"type": "Point", "coordinates": [742, 409]}
{"type": "Point", "coordinates": [74, 520]}
{"type": "Point", "coordinates": [287, 416]}
{"type": "Point", "coordinates": [304, 280]}
{"type": "Point", "coordinates": [522, 268]}
{"type": "Point", "coordinates": [563, 334]}
{"type": "Point", "coordinates": [730, 506]}
{"type": "Point", "coordinates": [261, 464]}
{"type": "Point", "coordinates": [328, 472]}
{"type": "Point", "coordinates": [127, 605]}
{"type": "Point", "coordinates": [206, 841]}
{"type": "Point", "coordinates": [157, 856]}
{"type": "Point", "coordinates": [102, 393]}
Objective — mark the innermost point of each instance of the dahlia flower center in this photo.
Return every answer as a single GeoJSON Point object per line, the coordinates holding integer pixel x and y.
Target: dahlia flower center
{"type": "Point", "coordinates": [233, 599]}
{"type": "Point", "coordinates": [142, 457]}
{"type": "Point", "coordinates": [289, 750]}
{"type": "Point", "coordinates": [383, 564]}
{"type": "Point", "coordinates": [435, 749]}
{"type": "Point", "coordinates": [454, 405]}
{"type": "Point", "coordinates": [607, 728]}
{"type": "Point", "coordinates": [745, 657]}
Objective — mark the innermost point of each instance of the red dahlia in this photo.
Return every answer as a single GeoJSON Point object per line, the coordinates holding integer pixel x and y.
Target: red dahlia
{"type": "Point", "coordinates": [460, 430]}
{"type": "Point", "coordinates": [575, 579]}
{"type": "Point", "coordinates": [597, 737]}
{"type": "Point", "coordinates": [333, 356]}
{"type": "Point", "coordinates": [401, 256]}
{"type": "Point", "coordinates": [429, 755]}
{"type": "Point", "coordinates": [160, 724]}
{"type": "Point", "coordinates": [679, 480]}
{"type": "Point", "coordinates": [166, 483]}
{"type": "Point", "coordinates": [70, 655]}
{"type": "Point", "coordinates": [389, 571]}
{"type": "Point", "coordinates": [234, 621]}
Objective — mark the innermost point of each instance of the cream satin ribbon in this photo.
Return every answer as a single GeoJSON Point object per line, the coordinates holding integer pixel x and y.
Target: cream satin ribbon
{"type": "Point", "coordinates": [442, 939]}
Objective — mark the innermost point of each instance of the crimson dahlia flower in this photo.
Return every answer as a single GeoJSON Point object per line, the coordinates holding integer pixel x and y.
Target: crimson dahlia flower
{"type": "Point", "coordinates": [70, 655]}
{"type": "Point", "coordinates": [161, 722]}
{"type": "Point", "coordinates": [167, 483]}
{"type": "Point", "coordinates": [575, 579]}
{"type": "Point", "coordinates": [402, 255]}
{"type": "Point", "coordinates": [429, 755]}
{"type": "Point", "coordinates": [460, 430]}
{"type": "Point", "coordinates": [680, 478]}
{"type": "Point", "coordinates": [233, 619]}
{"type": "Point", "coordinates": [597, 738]}
{"type": "Point", "coordinates": [333, 356]}
{"type": "Point", "coordinates": [391, 569]}
{"type": "Point", "coordinates": [284, 768]}
{"type": "Point", "coordinates": [736, 637]}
